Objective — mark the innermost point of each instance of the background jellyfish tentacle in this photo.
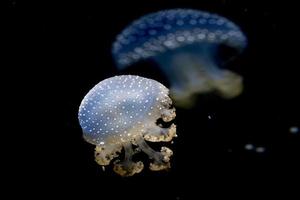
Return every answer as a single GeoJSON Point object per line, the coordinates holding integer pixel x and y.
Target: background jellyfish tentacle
{"type": "Point", "coordinates": [185, 44]}
{"type": "Point", "coordinates": [121, 113]}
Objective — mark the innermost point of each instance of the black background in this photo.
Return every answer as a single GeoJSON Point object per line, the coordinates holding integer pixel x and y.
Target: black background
{"type": "Point", "coordinates": [58, 50]}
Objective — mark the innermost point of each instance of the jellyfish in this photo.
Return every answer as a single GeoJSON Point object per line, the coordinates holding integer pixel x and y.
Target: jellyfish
{"type": "Point", "coordinates": [123, 112]}
{"type": "Point", "coordinates": [185, 44]}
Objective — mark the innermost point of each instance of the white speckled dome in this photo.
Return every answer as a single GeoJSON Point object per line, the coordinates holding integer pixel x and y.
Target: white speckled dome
{"type": "Point", "coordinates": [118, 105]}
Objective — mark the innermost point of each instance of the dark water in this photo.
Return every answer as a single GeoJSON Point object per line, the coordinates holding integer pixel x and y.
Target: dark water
{"type": "Point", "coordinates": [64, 50]}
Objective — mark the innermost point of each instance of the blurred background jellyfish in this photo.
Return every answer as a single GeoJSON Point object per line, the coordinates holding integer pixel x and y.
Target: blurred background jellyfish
{"type": "Point", "coordinates": [123, 110]}
{"type": "Point", "coordinates": [185, 43]}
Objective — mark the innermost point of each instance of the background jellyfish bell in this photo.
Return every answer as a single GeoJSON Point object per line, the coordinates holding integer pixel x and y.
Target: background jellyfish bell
{"type": "Point", "coordinates": [185, 45]}
{"type": "Point", "coordinates": [123, 110]}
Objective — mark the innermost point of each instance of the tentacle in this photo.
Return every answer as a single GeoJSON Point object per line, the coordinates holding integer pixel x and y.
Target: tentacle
{"type": "Point", "coordinates": [161, 160]}
{"type": "Point", "coordinates": [168, 114]}
{"type": "Point", "coordinates": [154, 133]}
{"type": "Point", "coordinates": [127, 167]}
{"type": "Point", "coordinates": [158, 134]}
{"type": "Point", "coordinates": [105, 153]}
{"type": "Point", "coordinates": [167, 153]}
{"type": "Point", "coordinates": [228, 84]}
